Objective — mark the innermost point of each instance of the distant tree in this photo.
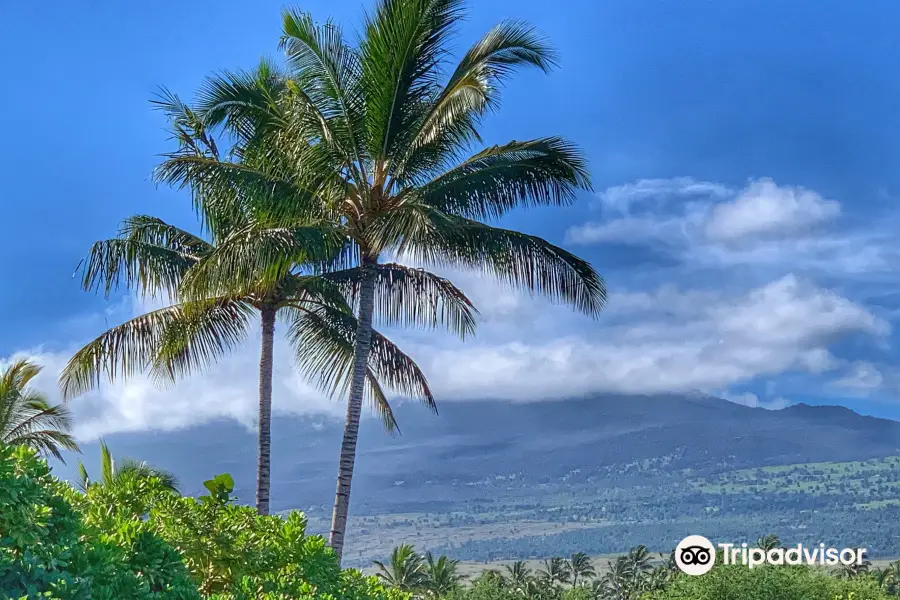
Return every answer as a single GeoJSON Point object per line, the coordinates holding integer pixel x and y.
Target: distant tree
{"type": "Point", "coordinates": [554, 571]}
{"type": "Point", "coordinates": [518, 573]}
{"type": "Point", "coordinates": [26, 416]}
{"type": "Point", "coordinates": [853, 570]}
{"type": "Point", "coordinates": [114, 473]}
{"type": "Point", "coordinates": [640, 560]}
{"type": "Point", "coordinates": [442, 574]}
{"type": "Point", "coordinates": [619, 582]}
{"type": "Point", "coordinates": [579, 566]}
{"type": "Point", "coordinates": [888, 578]}
{"type": "Point", "coordinates": [406, 571]}
{"type": "Point", "coordinates": [768, 542]}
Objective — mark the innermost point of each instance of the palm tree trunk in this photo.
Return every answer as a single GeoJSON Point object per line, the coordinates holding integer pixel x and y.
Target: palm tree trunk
{"type": "Point", "coordinates": [354, 408]}
{"type": "Point", "coordinates": [264, 437]}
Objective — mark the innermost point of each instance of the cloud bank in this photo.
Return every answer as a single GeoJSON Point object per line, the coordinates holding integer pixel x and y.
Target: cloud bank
{"type": "Point", "coordinates": [723, 333]}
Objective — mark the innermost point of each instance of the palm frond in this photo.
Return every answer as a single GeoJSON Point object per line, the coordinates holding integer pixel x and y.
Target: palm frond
{"type": "Point", "coordinates": [204, 331]}
{"type": "Point", "coordinates": [26, 417]}
{"type": "Point", "coordinates": [323, 342]}
{"type": "Point", "coordinates": [498, 179]}
{"type": "Point", "coordinates": [255, 260]}
{"type": "Point", "coordinates": [452, 117]}
{"type": "Point", "coordinates": [327, 72]}
{"type": "Point", "coordinates": [187, 125]}
{"type": "Point", "coordinates": [400, 54]}
{"type": "Point", "coordinates": [247, 103]}
{"type": "Point", "coordinates": [156, 232]}
{"type": "Point", "coordinates": [146, 268]}
{"type": "Point", "coordinates": [230, 192]}
{"type": "Point", "coordinates": [169, 339]}
{"type": "Point", "coordinates": [412, 297]}
{"type": "Point", "coordinates": [520, 260]}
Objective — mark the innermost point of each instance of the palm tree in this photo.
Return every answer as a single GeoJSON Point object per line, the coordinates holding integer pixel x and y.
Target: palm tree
{"type": "Point", "coordinates": [370, 139]}
{"type": "Point", "coordinates": [27, 418]}
{"type": "Point", "coordinates": [406, 572]}
{"type": "Point", "coordinates": [619, 582]}
{"type": "Point", "coordinates": [640, 560]}
{"type": "Point", "coordinates": [518, 573]}
{"type": "Point", "coordinates": [127, 469]}
{"type": "Point", "coordinates": [442, 575]}
{"type": "Point", "coordinates": [889, 578]}
{"type": "Point", "coordinates": [853, 570]}
{"type": "Point", "coordinates": [579, 565]}
{"type": "Point", "coordinates": [555, 571]}
{"type": "Point", "coordinates": [768, 542]}
{"type": "Point", "coordinates": [243, 226]}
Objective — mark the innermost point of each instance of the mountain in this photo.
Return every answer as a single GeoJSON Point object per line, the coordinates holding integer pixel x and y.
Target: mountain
{"type": "Point", "coordinates": [445, 457]}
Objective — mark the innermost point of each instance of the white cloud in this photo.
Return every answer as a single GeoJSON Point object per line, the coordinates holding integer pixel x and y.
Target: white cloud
{"type": "Point", "coordinates": [622, 197]}
{"type": "Point", "coordinates": [763, 224]}
{"type": "Point", "coordinates": [862, 377]}
{"type": "Point", "coordinates": [670, 340]}
{"type": "Point", "coordinates": [764, 209]}
{"type": "Point", "coordinates": [752, 400]}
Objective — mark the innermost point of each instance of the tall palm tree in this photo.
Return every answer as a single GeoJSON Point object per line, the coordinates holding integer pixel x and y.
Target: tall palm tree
{"type": "Point", "coordinates": [579, 565]}
{"type": "Point", "coordinates": [442, 574]}
{"type": "Point", "coordinates": [373, 139]}
{"type": "Point", "coordinates": [156, 258]}
{"type": "Point", "coordinates": [554, 571]}
{"type": "Point", "coordinates": [113, 473]}
{"type": "Point", "coordinates": [406, 571]}
{"type": "Point", "coordinates": [27, 418]}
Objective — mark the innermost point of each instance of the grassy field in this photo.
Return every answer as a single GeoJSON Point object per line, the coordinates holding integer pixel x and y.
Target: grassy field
{"type": "Point", "coordinates": [816, 478]}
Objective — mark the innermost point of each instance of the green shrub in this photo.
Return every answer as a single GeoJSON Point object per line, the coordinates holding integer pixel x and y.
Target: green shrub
{"type": "Point", "coordinates": [737, 582]}
{"type": "Point", "coordinates": [47, 550]}
{"type": "Point", "coordinates": [138, 541]}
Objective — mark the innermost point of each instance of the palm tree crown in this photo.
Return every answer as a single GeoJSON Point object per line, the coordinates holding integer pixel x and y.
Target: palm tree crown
{"type": "Point", "coordinates": [27, 418]}
{"type": "Point", "coordinates": [156, 258]}
{"type": "Point", "coordinates": [406, 571]}
{"type": "Point", "coordinates": [378, 141]}
{"type": "Point", "coordinates": [113, 473]}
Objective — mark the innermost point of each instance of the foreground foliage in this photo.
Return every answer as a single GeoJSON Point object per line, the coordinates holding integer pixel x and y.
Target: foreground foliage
{"type": "Point", "coordinates": [768, 582]}
{"type": "Point", "coordinates": [641, 575]}
{"type": "Point", "coordinates": [26, 417]}
{"type": "Point", "coordinates": [137, 540]}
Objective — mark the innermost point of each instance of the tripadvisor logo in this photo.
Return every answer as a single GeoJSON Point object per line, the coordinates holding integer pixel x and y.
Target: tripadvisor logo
{"type": "Point", "coordinates": [696, 555]}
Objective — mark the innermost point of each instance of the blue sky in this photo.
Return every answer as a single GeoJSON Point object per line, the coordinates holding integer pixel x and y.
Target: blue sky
{"type": "Point", "coordinates": [744, 157]}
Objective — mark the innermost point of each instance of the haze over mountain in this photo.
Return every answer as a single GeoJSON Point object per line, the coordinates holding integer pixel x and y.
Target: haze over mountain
{"type": "Point", "coordinates": [447, 457]}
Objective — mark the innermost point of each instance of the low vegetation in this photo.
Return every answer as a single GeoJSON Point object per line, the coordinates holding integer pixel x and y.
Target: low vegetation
{"type": "Point", "coordinates": [134, 538]}
{"type": "Point", "coordinates": [641, 575]}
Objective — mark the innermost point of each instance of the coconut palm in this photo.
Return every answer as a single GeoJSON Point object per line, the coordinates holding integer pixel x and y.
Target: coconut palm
{"type": "Point", "coordinates": [373, 139]}
{"type": "Point", "coordinates": [768, 542]}
{"type": "Point", "coordinates": [406, 571]}
{"type": "Point", "coordinates": [640, 560]}
{"type": "Point", "coordinates": [27, 417]}
{"type": "Point", "coordinates": [518, 573]}
{"type": "Point", "coordinates": [156, 258]}
{"type": "Point", "coordinates": [579, 566]}
{"type": "Point", "coordinates": [442, 575]}
{"type": "Point", "coordinates": [853, 570]}
{"type": "Point", "coordinates": [620, 582]}
{"type": "Point", "coordinates": [889, 578]}
{"type": "Point", "coordinates": [114, 472]}
{"type": "Point", "coordinates": [555, 571]}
